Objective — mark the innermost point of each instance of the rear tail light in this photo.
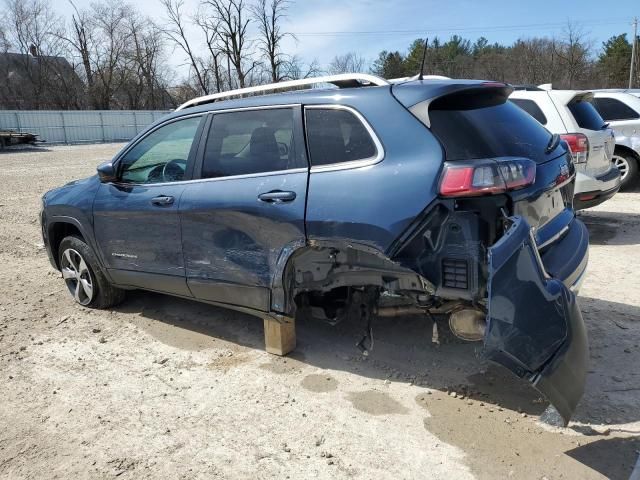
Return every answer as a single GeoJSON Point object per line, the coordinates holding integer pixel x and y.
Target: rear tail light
{"type": "Point", "coordinates": [486, 177]}
{"type": "Point", "coordinates": [579, 146]}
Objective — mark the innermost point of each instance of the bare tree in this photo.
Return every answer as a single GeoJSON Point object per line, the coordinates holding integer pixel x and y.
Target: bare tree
{"type": "Point", "coordinates": [294, 68]}
{"type": "Point", "coordinates": [146, 59]}
{"type": "Point", "coordinates": [348, 63]}
{"type": "Point", "coordinates": [175, 29]}
{"type": "Point", "coordinates": [573, 51]}
{"type": "Point", "coordinates": [233, 22]}
{"type": "Point", "coordinates": [211, 30]}
{"type": "Point", "coordinates": [269, 15]}
{"type": "Point", "coordinates": [4, 40]}
{"type": "Point", "coordinates": [81, 40]}
{"type": "Point", "coordinates": [532, 61]}
{"type": "Point", "coordinates": [111, 49]}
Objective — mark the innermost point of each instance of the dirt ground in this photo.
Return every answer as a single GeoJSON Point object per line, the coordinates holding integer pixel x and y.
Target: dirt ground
{"type": "Point", "coordinates": [168, 388]}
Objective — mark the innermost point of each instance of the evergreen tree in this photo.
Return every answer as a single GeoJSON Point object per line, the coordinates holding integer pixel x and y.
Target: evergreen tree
{"type": "Point", "coordinates": [389, 65]}
{"type": "Point", "coordinates": [614, 61]}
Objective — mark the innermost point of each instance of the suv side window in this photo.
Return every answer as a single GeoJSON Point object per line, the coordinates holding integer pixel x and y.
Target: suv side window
{"type": "Point", "coordinates": [531, 108]}
{"type": "Point", "coordinates": [613, 109]}
{"type": "Point", "coordinates": [337, 135]}
{"type": "Point", "coordinates": [162, 155]}
{"type": "Point", "coordinates": [250, 141]}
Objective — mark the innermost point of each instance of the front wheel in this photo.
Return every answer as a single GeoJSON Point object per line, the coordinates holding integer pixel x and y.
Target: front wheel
{"type": "Point", "coordinates": [627, 163]}
{"type": "Point", "coordinates": [82, 274]}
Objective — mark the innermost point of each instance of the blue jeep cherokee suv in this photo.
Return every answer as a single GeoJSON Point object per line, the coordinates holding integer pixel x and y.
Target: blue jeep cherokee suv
{"type": "Point", "coordinates": [427, 195]}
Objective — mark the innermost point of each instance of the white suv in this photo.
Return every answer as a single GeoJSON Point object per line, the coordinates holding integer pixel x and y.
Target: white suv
{"type": "Point", "coordinates": [633, 91]}
{"type": "Point", "coordinates": [570, 114]}
{"type": "Point", "coordinates": [622, 111]}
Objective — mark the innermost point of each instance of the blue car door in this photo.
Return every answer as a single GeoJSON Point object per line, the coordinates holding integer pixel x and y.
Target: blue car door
{"type": "Point", "coordinates": [136, 221]}
{"type": "Point", "coordinates": [247, 211]}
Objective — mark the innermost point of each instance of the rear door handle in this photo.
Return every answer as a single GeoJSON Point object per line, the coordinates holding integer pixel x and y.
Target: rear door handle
{"type": "Point", "coordinates": [162, 200]}
{"type": "Point", "coordinates": [277, 196]}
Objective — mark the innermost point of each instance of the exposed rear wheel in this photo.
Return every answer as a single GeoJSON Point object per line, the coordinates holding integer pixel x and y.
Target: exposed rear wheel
{"type": "Point", "coordinates": [81, 272]}
{"type": "Point", "coordinates": [627, 163]}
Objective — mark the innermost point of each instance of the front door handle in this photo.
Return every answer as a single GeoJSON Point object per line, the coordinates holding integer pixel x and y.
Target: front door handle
{"type": "Point", "coordinates": [162, 200]}
{"type": "Point", "coordinates": [277, 196]}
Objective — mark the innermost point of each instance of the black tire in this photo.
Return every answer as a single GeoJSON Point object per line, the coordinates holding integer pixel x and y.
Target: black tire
{"type": "Point", "coordinates": [632, 179]}
{"type": "Point", "coordinates": [3, 144]}
{"type": "Point", "coordinates": [103, 294]}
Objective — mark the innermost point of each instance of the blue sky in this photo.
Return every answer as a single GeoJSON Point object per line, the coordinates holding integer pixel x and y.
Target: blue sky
{"type": "Point", "coordinates": [325, 28]}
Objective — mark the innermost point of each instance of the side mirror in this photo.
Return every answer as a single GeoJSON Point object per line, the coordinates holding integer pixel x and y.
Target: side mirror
{"type": "Point", "coordinates": [107, 172]}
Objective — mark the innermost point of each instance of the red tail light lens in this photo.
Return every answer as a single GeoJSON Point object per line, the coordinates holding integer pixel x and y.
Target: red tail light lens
{"type": "Point", "coordinates": [486, 177]}
{"type": "Point", "coordinates": [579, 146]}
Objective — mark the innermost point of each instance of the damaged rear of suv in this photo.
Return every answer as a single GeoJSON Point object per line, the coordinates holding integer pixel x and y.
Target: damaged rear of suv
{"type": "Point", "coordinates": [498, 249]}
{"type": "Point", "coordinates": [428, 196]}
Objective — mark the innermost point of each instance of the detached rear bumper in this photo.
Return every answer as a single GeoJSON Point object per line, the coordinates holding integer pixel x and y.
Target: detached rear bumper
{"type": "Point", "coordinates": [567, 258]}
{"type": "Point", "coordinates": [534, 325]}
{"type": "Point", "coordinates": [592, 191]}
{"type": "Point", "coordinates": [562, 380]}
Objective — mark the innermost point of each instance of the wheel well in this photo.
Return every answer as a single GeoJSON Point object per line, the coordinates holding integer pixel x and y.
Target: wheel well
{"type": "Point", "coordinates": [57, 232]}
{"type": "Point", "coordinates": [625, 149]}
{"type": "Point", "coordinates": [327, 270]}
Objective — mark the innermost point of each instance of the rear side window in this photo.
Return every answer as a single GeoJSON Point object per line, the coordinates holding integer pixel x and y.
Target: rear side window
{"type": "Point", "coordinates": [251, 141]}
{"type": "Point", "coordinates": [586, 115]}
{"type": "Point", "coordinates": [613, 109]}
{"type": "Point", "coordinates": [336, 135]}
{"type": "Point", "coordinates": [468, 130]}
{"type": "Point", "coordinates": [531, 108]}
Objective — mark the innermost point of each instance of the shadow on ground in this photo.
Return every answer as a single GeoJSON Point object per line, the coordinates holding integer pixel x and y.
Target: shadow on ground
{"type": "Point", "coordinates": [23, 148]}
{"type": "Point", "coordinates": [403, 351]}
{"type": "Point", "coordinates": [611, 228]}
{"type": "Point", "coordinates": [612, 457]}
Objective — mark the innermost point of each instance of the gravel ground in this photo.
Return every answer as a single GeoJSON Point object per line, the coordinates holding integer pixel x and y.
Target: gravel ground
{"type": "Point", "coordinates": [168, 388]}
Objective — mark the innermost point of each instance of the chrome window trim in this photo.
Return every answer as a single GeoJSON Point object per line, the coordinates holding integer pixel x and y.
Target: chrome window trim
{"type": "Point", "coordinates": [260, 107]}
{"type": "Point", "coordinates": [231, 177]}
{"type": "Point", "coordinates": [363, 162]}
{"type": "Point", "coordinates": [215, 179]}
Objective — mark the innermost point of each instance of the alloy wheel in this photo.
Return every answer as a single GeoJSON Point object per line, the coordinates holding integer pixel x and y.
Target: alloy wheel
{"type": "Point", "coordinates": [621, 164]}
{"type": "Point", "coordinates": [77, 276]}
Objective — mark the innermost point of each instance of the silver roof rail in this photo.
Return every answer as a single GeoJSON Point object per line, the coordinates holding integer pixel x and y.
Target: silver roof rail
{"type": "Point", "coordinates": [417, 77]}
{"type": "Point", "coordinates": [343, 80]}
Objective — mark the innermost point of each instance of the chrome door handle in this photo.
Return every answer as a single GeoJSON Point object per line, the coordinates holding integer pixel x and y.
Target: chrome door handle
{"type": "Point", "coordinates": [277, 196]}
{"type": "Point", "coordinates": [162, 200]}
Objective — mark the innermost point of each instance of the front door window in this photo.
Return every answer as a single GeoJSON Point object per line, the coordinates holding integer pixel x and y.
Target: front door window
{"type": "Point", "coordinates": [162, 155]}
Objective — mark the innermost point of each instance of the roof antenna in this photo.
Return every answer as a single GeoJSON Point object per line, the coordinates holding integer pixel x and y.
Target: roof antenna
{"type": "Point", "coordinates": [424, 55]}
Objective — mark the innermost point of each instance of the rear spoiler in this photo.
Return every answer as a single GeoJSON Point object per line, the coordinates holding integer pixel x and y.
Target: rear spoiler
{"type": "Point", "coordinates": [419, 96]}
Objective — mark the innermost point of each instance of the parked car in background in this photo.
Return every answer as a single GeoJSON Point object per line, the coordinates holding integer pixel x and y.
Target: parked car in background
{"type": "Point", "coordinates": [632, 91]}
{"type": "Point", "coordinates": [622, 112]}
{"type": "Point", "coordinates": [438, 195]}
{"type": "Point", "coordinates": [571, 114]}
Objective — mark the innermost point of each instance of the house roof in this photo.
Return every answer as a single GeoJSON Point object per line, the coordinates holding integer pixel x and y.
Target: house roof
{"type": "Point", "coordinates": [12, 64]}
